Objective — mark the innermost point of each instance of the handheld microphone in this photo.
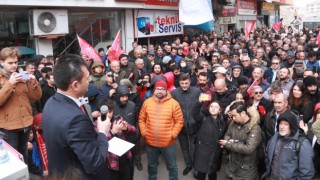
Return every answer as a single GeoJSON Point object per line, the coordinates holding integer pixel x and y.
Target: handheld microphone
{"type": "Point", "coordinates": [104, 110]}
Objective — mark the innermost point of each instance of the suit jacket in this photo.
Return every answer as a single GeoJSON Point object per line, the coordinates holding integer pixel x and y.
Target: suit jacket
{"type": "Point", "coordinates": [71, 140]}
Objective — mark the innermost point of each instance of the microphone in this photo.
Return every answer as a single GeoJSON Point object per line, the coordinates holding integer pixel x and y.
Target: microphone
{"type": "Point", "coordinates": [104, 110]}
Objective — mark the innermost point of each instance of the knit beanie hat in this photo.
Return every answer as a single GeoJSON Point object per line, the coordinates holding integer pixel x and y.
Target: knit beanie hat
{"type": "Point", "coordinates": [309, 81]}
{"type": "Point", "coordinates": [242, 80]}
{"type": "Point", "coordinates": [162, 84]}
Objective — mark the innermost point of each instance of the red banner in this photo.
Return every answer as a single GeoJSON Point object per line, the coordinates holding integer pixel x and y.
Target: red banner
{"type": "Point", "coordinates": [87, 49]}
{"type": "Point", "coordinates": [277, 26]}
{"type": "Point", "coordinates": [163, 2]}
{"type": "Point", "coordinates": [249, 27]}
{"type": "Point", "coordinates": [116, 49]}
{"type": "Point", "coordinates": [42, 151]}
{"type": "Point", "coordinates": [255, 83]}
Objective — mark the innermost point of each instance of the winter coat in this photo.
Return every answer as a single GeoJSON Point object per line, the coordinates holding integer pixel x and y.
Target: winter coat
{"type": "Point", "coordinates": [316, 129]}
{"type": "Point", "coordinates": [184, 99]}
{"type": "Point", "coordinates": [160, 121]}
{"type": "Point", "coordinates": [226, 98]}
{"type": "Point", "coordinates": [15, 108]}
{"type": "Point", "coordinates": [131, 72]}
{"type": "Point", "coordinates": [292, 165]}
{"type": "Point", "coordinates": [127, 112]}
{"type": "Point", "coordinates": [98, 79]}
{"type": "Point", "coordinates": [242, 158]}
{"type": "Point", "coordinates": [208, 153]}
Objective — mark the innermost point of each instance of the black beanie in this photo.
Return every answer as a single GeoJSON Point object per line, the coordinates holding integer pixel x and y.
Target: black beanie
{"type": "Point", "coordinates": [123, 90]}
{"type": "Point", "coordinates": [242, 80]}
{"type": "Point", "coordinates": [310, 80]}
{"type": "Point", "coordinates": [291, 119]}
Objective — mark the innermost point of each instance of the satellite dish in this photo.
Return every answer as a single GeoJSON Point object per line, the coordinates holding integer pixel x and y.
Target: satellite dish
{"type": "Point", "coordinates": [47, 22]}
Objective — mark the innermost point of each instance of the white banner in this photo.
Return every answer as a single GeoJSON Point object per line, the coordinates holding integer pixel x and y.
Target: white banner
{"type": "Point", "coordinates": [148, 23]}
{"type": "Point", "coordinates": [195, 12]}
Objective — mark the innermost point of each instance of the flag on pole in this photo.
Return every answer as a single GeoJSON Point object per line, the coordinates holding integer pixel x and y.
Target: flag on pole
{"type": "Point", "coordinates": [277, 26]}
{"type": "Point", "coordinates": [318, 38]}
{"type": "Point", "coordinates": [249, 91]}
{"type": "Point", "coordinates": [249, 27]}
{"type": "Point", "coordinates": [87, 49]}
{"type": "Point", "coordinates": [191, 13]}
{"type": "Point", "coordinates": [116, 49]}
{"type": "Point", "coordinates": [42, 151]}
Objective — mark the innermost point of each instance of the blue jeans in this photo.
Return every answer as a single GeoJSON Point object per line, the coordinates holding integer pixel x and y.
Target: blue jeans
{"type": "Point", "coordinates": [169, 154]}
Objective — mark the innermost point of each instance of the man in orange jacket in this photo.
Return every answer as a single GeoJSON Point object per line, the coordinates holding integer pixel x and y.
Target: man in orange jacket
{"type": "Point", "coordinates": [160, 122]}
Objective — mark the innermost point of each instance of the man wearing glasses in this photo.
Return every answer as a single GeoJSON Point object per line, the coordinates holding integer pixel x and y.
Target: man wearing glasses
{"type": "Point", "coordinates": [246, 66]}
{"type": "Point", "coordinates": [271, 73]}
{"type": "Point", "coordinates": [160, 122]}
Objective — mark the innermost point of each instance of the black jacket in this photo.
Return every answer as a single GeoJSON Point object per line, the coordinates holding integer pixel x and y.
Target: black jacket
{"type": "Point", "coordinates": [186, 100]}
{"type": "Point", "coordinates": [208, 154]}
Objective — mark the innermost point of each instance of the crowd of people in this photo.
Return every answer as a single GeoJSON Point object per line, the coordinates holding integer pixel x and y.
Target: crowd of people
{"type": "Point", "coordinates": [255, 99]}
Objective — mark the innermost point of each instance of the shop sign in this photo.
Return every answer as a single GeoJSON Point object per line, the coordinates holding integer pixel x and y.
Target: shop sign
{"type": "Point", "coordinates": [268, 6]}
{"type": "Point", "coordinates": [247, 7]}
{"type": "Point", "coordinates": [148, 23]}
{"type": "Point", "coordinates": [227, 20]}
{"type": "Point", "coordinates": [228, 12]}
{"type": "Point", "coordinates": [163, 2]}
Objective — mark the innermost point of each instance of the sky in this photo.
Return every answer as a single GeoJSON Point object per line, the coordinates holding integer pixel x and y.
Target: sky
{"type": "Point", "coordinates": [302, 3]}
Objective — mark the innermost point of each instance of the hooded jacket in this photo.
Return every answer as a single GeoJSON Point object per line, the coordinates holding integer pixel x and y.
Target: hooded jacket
{"type": "Point", "coordinates": [291, 164]}
{"type": "Point", "coordinates": [98, 79]}
{"type": "Point", "coordinates": [243, 151]}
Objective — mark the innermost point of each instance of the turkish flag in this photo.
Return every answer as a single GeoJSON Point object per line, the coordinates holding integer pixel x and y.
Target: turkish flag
{"type": "Point", "coordinates": [249, 91]}
{"type": "Point", "coordinates": [318, 38]}
{"type": "Point", "coordinates": [87, 49]}
{"type": "Point", "coordinates": [277, 26]}
{"type": "Point", "coordinates": [249, 27]}
{"type": "Point", "coordinates": [116, 49]}
{"type": "Point", "coordinates": [42, 151]}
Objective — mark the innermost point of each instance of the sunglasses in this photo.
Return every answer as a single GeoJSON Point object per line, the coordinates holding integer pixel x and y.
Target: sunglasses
{"type": "Point", "coordinates": [260, 92]}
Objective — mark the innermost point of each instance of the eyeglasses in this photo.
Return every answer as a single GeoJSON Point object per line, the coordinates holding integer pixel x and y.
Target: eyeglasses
{"type": "Point", "coordinates": [158, 89]}
{"type": "Point", "coordinates": [275, 63]}
{"type": "Point", "coordinates": [260, 92]}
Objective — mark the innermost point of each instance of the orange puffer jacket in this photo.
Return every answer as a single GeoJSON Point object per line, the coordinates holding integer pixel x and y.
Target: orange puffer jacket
{"type": "Point", "coordinates": [160, 121]}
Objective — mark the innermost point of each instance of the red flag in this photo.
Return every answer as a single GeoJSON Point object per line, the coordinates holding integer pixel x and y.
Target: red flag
{"type": "Point", "coordinates": [116, 49]}
{"type": "Point", "coordinates": [249, 91]}
{"type": "Point", "coordinates": [42, 151]}
{"type": "Point", "coordinates": [249, 27]}
{"type": "Point", "coordinates": [87, 49]}
{"type": "Point", "coordinates": [277, 26]}
{"type": "Point", "coordinates": [318, 38]}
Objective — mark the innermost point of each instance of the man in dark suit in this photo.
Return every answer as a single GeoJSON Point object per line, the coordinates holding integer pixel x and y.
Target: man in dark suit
{"type": "Point", "coordinates": [72, 143]}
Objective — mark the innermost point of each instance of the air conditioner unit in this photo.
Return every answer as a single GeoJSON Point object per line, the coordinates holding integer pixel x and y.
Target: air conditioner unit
{"type": "Point", "coordinates": [46, 22]}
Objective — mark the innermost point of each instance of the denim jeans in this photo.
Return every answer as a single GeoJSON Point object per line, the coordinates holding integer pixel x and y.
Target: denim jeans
{"type": "Point", "coordinates": [18, 140]}
{"type": "Point", "coordinates": [169, 154]}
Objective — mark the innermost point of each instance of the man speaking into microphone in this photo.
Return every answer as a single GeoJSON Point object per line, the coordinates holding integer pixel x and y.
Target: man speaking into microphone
{"type": "Point", "coordinates": [73, 144]}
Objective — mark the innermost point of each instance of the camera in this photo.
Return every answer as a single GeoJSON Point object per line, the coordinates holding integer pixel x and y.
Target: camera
{"type": "Point", "coordinates": [143, 82]}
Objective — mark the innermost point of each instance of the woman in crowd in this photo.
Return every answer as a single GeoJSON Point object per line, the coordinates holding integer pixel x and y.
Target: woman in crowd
{"type": "Point", "coordinates": [212, 127]}
{"type": "Point", "coordinates": [299, 102]}
{"type": "Point", "coordinates": [313, 139]}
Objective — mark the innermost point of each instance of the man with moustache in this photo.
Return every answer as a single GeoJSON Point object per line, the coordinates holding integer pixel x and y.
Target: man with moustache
{"type": "Point", "coordinates": [284, 159]}
{"type": "Point", "coordinates": [284, 77]}
{"type": "Point", "coordinates": [312, 89]}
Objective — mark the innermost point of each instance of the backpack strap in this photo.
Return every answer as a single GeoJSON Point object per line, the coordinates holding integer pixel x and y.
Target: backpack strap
{"type": "Point", "coordinates": [299, 143]}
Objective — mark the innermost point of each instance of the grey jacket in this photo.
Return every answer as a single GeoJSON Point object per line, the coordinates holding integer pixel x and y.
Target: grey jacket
{"type": "Point", "coordinates": [292, 165]}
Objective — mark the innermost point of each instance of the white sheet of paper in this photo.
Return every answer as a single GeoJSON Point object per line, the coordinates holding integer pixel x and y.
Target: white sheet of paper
{"type": "Point", "coordinates": [118, 146]}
